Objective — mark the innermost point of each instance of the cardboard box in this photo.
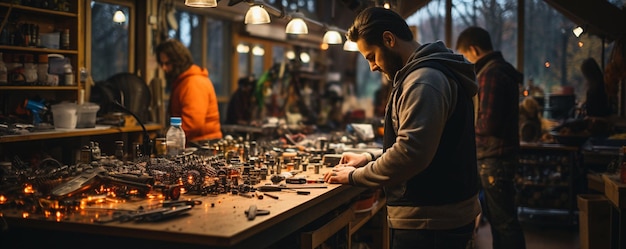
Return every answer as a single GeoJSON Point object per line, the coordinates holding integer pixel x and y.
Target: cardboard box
{"type": "Point", "coordinates": [614, 190]}
{"type": "Point", "coordinates": [594, 221]}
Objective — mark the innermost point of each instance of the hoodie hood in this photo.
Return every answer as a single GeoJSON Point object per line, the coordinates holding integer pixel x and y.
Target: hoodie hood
{"type": "Point", "coordinates": [438, 52]}
{"type": "Point", "coordinates": [191, 71]}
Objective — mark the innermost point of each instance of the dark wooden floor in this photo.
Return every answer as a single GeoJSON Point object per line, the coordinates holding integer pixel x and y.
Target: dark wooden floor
{"type": "Point", "coordinates": [540, 233]}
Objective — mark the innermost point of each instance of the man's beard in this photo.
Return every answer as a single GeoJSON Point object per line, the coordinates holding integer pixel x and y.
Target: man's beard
{"type": "Point", "coordinates": [173, 74]}
{"type": "Point", "coordinates": [170, 77]}
{"type": "Point", "coordinates": [393, 63]}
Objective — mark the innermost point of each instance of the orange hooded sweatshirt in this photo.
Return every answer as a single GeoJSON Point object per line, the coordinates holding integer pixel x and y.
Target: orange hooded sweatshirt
{"type": "Point", "coordinates": [193, 99]}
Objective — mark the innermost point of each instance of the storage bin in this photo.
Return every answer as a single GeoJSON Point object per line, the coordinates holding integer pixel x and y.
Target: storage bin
{"type": "Point", "coordinates": [87, 115]}
{"type": "Point", "coordinates": [64, 115]}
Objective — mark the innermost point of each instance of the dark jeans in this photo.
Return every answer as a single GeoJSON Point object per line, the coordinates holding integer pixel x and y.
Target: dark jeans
{"type": "Point", "coordinates": [431, 239]}
{"type": "Point", "coordinates": [497, 176]}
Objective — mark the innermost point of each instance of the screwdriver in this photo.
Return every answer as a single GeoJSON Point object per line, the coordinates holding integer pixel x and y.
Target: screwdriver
{"type": "Point", "coordinates": [274, 188]}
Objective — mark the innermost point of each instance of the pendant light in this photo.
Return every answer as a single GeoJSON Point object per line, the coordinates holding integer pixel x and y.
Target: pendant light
{"type": "Point", "coordinates": [332, 37]}
{"type": "Point", "coordinates": [257, 15]}
{"type": "Point", "coordinates": [297, 25]}
{"type": "Point", "coordinates": [119, 16]}
{"type": "Point", "coordinates": [201, 3]}
{"type": "Point", "coordinates": [350, 46]}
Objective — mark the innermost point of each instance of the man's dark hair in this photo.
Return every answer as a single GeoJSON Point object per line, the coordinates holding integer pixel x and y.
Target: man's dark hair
{"type": "Point", "coordinates": [474, 36]}
{"type": "Point", "coordinates": [179, 56]}
{"type": "Point", "coordinates": [372, 22]}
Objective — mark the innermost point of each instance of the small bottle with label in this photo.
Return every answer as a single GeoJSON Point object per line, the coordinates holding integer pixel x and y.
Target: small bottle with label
{"type": "Point", "coordinates": [119, 150]}
{"type": "Point", "coordinates": [65, 39]}
{"type": "Point", "coordinates": [69, 75]}
{"type": "Point", "coordinates": [42, 69]}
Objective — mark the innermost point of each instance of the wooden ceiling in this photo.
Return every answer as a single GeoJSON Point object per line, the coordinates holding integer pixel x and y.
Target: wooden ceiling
{"type": "Point", "coordinates": [598, 17]}
{"type": "Point", "coordinates": [405, 8]}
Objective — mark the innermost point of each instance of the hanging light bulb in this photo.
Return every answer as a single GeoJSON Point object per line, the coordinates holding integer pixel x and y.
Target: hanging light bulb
{"type": "Point", "coordinates": [258, 51]}
{"type": "Point", "coordinates": [304, 57]}
{"type": "Point", "coordinates": [578, 31]}
{"type": "Point", "coordinates": [257, 15]}
{"type": "Point", "coordinates": [290, 55]}
{"type": "Point", "coordinates": [350, 46]}
{"type": "Point", "coordinates": [201, 3]}
{"type": "Point", "coordinates": [386, 5]}
{"type": "Point", "coordinates": [119, 16]}
{"type": "Point", "coordinates": [332, 37]}
{"type": "Point", "coordinates": [243, 48]}
{"type": "Point", "coordinates": [297, 25]}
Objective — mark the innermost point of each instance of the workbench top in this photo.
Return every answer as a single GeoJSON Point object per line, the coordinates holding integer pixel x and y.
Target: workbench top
{"type": "Point", "coordinates": [219, 221]}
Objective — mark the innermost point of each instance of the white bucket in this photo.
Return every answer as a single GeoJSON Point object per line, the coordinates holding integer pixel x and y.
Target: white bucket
{"type": "Point", "coordinates": [64, 115]}
{"type": "Point", "coordinates": [87, 115]}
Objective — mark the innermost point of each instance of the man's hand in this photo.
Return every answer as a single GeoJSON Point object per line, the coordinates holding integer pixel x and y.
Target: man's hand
{"type": "Point", "coordinates": [353, 159]}
{"type": "Point", "coordinates": [339, 174]}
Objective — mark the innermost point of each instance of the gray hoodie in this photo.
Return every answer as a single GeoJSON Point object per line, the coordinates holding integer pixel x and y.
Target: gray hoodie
{"type": "Point", "coordinates": [426, 101]}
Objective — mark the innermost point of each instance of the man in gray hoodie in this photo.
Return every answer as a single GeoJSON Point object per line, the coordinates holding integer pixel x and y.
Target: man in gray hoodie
{"type": "Point", "coordinates": [428, 165]}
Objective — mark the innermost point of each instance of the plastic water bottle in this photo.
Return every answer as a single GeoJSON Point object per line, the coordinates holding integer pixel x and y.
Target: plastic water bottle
{"type": "Point", "coordinates": [175, 137]}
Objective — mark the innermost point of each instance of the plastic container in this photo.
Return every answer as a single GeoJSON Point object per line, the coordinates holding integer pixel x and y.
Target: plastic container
{"type": "Point", "coordinates": [64, 115]}
{"type": "Point", "coordinates": [50, 40]}
{"type": "Point", "coordinates": [87, 115]}
{"type": "Point", "coordinates": [42, 69]}
{"type": "Point", "coordinates": [175, 137]}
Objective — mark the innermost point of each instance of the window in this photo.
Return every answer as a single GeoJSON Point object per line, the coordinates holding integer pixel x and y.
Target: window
{"type": "Point", "coordinates": [255, 56]}
{"type": "Point", "coordinates": [552, 54]}
{"type": "Point", "coordinates": [110, 44]}
{"type": "Point", "coordinates": [206, 38]}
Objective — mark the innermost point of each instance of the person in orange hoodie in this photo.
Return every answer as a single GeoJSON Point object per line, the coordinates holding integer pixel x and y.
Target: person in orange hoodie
{"type": "Point", "coordinates": [192, 94]}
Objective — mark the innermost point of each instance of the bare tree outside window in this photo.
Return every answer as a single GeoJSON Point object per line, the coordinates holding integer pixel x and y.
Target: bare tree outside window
{"type": "Point", "coordinates": [552, 55]}
{"type": "Point", "coordinates": [109, 46]}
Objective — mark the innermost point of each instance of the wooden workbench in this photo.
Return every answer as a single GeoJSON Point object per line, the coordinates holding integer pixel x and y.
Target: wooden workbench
{"type": "Point", "coordinates": [77, 132]}
{"type": "Point", "coordinates": [219, 222]}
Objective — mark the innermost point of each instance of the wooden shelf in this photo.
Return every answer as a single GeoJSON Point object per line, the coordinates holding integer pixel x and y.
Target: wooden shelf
{"type": "Point", "coordinates": [63, 133]}
{"type": "Point", "coordinates": [43, 11]}
{"type": "Point", "coordinates": [38, 50]}
{"type": "Point", "coordinates": [38, 88]}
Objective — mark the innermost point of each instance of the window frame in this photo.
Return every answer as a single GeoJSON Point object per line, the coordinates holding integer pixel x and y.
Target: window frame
{"type": "Point", "coordinates": [131, 20]}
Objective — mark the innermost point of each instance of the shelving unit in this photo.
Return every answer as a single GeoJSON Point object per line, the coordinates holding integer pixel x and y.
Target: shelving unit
{"type": "Point", "coordinates": [62, 144]}
{"type": "Point", "coordinates": [547, 179]}
{"type": "Point", "coordinates": [66, 133]}
{"type": "Point", "coordinates": [47, 21]}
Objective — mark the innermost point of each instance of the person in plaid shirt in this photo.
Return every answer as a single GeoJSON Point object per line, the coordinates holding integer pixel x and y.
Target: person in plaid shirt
{"type": "Point", "coordinates": [497, 139]}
